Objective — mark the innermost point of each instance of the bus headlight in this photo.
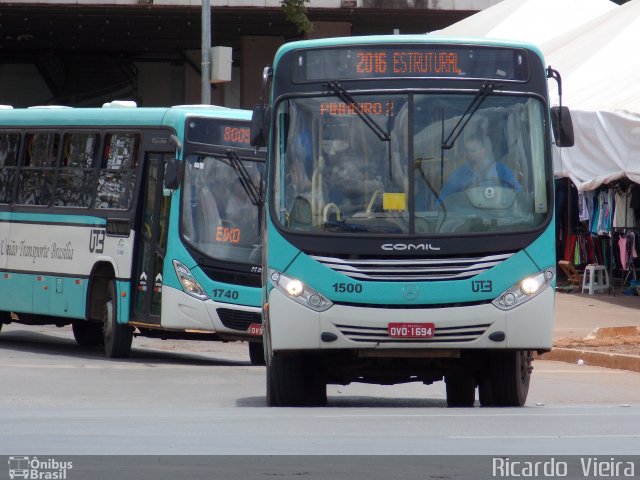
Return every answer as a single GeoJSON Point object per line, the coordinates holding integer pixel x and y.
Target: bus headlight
{"type": "Point", "coordinates": [189, 284]}
{"type": "Point", "coordinates": [299, 292]}
{"type": "Point", "coordinates": [525, 290]}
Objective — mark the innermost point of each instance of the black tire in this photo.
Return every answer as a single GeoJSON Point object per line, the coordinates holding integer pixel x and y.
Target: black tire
{"type": "Point", "coordinates": [510, 374]}
{"type": "Point", "coordinates": [295, 381]}
{"type": "Point", "coordinates": [256, 353]}
{"type": "Point", "coordinates": [485, 394]}
{"type": "Point", "coordinates": [5, 317]}
{"type": "Point", "coordinates": [461, 390]}
{"type": "Point", "coordinates": [117, 337]}
{"type": "Point", "coordinates": [87, 334]}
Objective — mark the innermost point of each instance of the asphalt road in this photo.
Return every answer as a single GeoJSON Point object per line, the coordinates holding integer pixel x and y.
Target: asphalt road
{"type": "Point", "coordinates": [197, 398]}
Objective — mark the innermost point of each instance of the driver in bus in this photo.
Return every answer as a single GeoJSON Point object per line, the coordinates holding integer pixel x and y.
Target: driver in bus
{"type": "Point", "coordinates": [481, 169]}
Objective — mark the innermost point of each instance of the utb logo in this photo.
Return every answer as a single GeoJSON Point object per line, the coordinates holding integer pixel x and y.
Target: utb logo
{"type": "Point", "coordinates": [484, 286]}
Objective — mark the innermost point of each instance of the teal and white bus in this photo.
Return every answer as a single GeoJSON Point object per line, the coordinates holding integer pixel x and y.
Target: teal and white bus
{"type": "Point", "coordinates": [388, 258]}
{"type": "Point", "coordinates": [123, 220]}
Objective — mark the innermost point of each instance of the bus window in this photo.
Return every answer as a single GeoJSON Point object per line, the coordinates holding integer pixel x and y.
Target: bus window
{"type": "Point", "coordinates": [35, 183]}
{"type": "Point", "coordinates": [76, 176]}
{"type": "Point", "coordinates": [117, 172]}
{"type": "Point", "coordinates": [9, 143]}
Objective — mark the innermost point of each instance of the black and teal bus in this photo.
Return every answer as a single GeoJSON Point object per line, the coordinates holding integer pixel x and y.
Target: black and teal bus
{"type": "Point", "coordinates": [388, 258]}
{"type": "Point", "coordinates": [124, 221]}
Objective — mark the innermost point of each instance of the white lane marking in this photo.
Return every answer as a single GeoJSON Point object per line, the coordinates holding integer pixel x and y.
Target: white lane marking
{"type": "Point", "coordinates": [479, 415]}
{"type": "Point", "coordinates": [128, 366]}
{"type": "Point", "coordinates": [476, 437]}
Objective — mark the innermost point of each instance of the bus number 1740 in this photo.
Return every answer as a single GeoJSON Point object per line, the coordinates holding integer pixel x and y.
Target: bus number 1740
{"type": "Point", "coordinates": [223, 293]}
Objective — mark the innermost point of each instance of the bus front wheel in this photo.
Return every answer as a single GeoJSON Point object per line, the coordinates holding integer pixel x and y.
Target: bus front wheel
{"type": "Point", "coordinates": [461, 390]}
{"type": "Point", "coordinates": [87, 334]}
{"type": "Point", "coordinates": [294, 380]}
{"type": "Point", "coordinates": [509, 377]}
{"type": "Point", "coordinates": [117, 337]}
{"type": "Point", "coordinates": [256, 353]}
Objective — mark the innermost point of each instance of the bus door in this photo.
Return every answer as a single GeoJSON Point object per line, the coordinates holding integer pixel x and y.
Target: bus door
{"type": "Point", "coordinates": [151, 242]}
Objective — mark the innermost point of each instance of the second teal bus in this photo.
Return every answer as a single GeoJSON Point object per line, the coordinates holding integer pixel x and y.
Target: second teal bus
{"type": "Point", "coordinates": [131, 221]}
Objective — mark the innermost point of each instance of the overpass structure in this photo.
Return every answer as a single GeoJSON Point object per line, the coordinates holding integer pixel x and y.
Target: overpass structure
{"type": "Point", "coordinates": [85, 52]}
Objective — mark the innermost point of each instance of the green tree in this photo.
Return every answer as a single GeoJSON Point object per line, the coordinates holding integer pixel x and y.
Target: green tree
{"type": "Point", "coordinates": [296, 13]}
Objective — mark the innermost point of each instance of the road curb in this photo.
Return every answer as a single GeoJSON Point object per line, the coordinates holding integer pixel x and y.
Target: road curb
{"type": "Point", "coordinates": [608, 332]}
{"type": "Point", "coordinates": [597, 359]}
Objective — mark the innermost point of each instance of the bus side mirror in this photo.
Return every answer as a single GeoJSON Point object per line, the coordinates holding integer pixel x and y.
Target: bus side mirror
{"type": "Point", "coordinates": [562, 126]}
{"type": "Point", "coordinates": [260, 125]}
{"type": "Point", "coordinates": [172, 174]}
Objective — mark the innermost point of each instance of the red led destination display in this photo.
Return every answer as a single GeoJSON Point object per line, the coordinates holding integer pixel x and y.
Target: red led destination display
{"type": "Point", "coordinates": [429, 61]}
{"type": "Point", "coordinates": [236, 135]}
{"type": "Point", "coordinates": [219, 132]}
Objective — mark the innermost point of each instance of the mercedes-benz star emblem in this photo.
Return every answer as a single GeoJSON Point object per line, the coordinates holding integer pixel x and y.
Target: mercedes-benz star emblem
{"type": "Point", "coordinates": [410, 292]}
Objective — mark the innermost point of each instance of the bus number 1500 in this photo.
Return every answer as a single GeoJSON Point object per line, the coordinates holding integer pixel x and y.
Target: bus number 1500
{"type": "Point", "coordinates": [347, 287]}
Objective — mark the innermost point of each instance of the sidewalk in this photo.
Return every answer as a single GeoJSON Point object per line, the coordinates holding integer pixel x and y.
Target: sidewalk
{"type": "Point", "coordinates": [578, 315]}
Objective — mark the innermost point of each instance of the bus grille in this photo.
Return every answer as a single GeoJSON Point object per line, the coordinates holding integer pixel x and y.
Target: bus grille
{"type": "Point", "coordinates": [413, 269]}
{"type": "Point", "coordinates": [238, 319]}
{"type": "Point", "coordinates": [466, 333]}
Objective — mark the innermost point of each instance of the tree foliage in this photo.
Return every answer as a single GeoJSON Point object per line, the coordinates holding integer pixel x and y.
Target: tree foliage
{"type": "Point", "coordinates": [296, 13]}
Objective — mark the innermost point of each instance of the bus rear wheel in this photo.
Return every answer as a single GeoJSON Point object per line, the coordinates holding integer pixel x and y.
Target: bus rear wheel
{"type": "Point", "coordinates": [87, 334]}
{"type": "Point", "coordinates": [485, 394]}
{"type": "Point", "coordinates": [294, 380]}
{"type": "Point", "coordinates": [117, 337]}
{"type": "Point", "coordinates": [509, 377]}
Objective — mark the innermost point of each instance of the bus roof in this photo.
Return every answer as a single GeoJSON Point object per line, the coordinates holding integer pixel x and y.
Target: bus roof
{"type": "Point", "coordinates": [124, 117]}
{"type": "Point", "coordinates": [402, 39]}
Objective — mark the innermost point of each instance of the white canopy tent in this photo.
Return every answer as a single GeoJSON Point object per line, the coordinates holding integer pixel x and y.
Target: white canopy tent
{"type": "Point", "coordinates": [600, 68]}
{"type": "Point", "coordinates": [533, 21]}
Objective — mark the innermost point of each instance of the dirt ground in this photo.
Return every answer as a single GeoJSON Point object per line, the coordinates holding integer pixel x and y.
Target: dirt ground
{"type": "Point", "coordinates": [626, 345]}
{"type": "Point", "coordinates": [581, 312]}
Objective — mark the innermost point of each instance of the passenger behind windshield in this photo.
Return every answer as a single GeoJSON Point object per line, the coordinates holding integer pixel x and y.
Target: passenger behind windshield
{"type": "Point", "coordinates": [343, 167]}
{"type": "Point", "coordinates": [242, 215]}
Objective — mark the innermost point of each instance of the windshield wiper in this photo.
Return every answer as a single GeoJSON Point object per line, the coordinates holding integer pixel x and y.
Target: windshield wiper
{"type": "Point", "coordinates": [254, 193]}
{"type": "Point", "coordinates": [346, 97]}
{"type": "Point", "coordinates": [483, 92]}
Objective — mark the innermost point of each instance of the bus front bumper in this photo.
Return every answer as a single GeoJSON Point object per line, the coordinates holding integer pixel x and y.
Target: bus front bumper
{"type": "Point", "coordinates": [229, 321]}
{"type": "Point", "coordinates": [527, 327]}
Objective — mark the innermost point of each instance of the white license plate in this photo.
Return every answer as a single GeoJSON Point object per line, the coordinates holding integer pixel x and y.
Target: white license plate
{"type": "Point", "coordinates": [411, 330]}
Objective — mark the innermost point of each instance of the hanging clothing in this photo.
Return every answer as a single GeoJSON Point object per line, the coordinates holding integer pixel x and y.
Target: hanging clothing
{"type": "Point", "coordinates": [622, 246]}
{"type": "Point", "coordinates": [624, 215]}
{"type": "Point", "coordinates": [603, 212]}
{"type": "Point", "coordinates": [584, 211]}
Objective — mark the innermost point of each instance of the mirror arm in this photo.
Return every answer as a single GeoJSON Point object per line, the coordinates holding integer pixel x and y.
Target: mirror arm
{"type": "Point", "coordinates": [555, 74]}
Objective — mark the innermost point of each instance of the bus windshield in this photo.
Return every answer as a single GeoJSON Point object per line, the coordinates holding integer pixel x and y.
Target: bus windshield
{"type": "Point", "coordinates": [333, 174]}
{"type": "Point", "coordinates": [218, 217]}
